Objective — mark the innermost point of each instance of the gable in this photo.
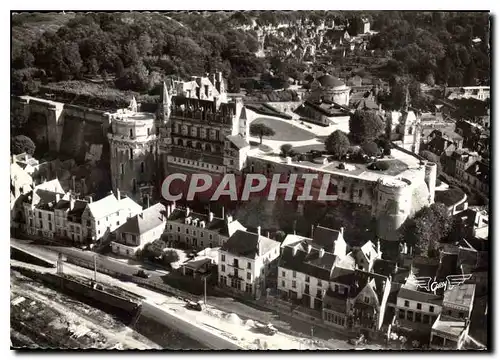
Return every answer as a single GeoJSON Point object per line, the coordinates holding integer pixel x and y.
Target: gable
{"type": "Point", "coordinates": [369, 293]}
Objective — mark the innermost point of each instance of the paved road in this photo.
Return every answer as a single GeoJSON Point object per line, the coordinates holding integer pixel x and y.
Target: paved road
{"type": "Point", "coordinates": [225, 304]}
{"type": "Point", "coordinates": [50, 252]}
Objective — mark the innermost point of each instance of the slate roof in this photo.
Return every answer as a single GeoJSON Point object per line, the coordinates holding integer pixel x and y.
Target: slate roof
{"type": "Point", "coordinates": [343, 276]}
{"type": "Point", "coordinates": [249, 245]}
{"type": "Point", "coordinates": [420, 296]}
{"type": "Point", "coordinates": [110, 204]}
{"type": "Point", "coordinates": [75, 214]}
{"type": "Point", "coordinates": [325, 238]}
{"type": "Point", "coordinates": [365, 104]}
{"type": "Point", "coordinates": [149, 219]}
{"type": "Point", "coordinates": [218, 225]}
{"type": "Point", "coordinates": [308, 263]}
{"type": "Point", "coordinates": [238, 141]}
{"type": "Point", "coordinates": [388, 268]}
{"type": "Point", "coordinates": [479, 170]}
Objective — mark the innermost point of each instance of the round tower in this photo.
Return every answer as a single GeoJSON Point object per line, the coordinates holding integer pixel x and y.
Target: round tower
{"type": "Point", "coordinates": [430, 179]}
{"type": "Point", "coordinates": [133, 144]}
{"type": "Point", "coordinates": [392, 206]}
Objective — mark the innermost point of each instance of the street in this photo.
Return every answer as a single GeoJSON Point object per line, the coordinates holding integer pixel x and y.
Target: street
{"type": "Point", "coordinates": [220, 304]}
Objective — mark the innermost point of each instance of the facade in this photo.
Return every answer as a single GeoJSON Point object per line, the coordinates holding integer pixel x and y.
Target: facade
{"type": "Point", "coordinates": [478, 177]}
{"type": "Point", "coordinates": [198, 120]}
{"type": "Point", "coordinates": [451, 328]}
{"type": "Point", "coordinates": [198, 231]}
{"type": "Point", "coordinates": [246, 261]}
{"type": "Point", "coordinates": [50, 212]}
{"type": "Point", "coordinates": [139, 230]}
{"type": "Point", "coordinates": [133, 146]}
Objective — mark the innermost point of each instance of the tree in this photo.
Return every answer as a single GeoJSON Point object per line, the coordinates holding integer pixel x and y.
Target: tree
{"type": "Point", "coordinates": [261, 130]}
{"type": "Point", "coordinates": [22, 144]}
{"type": "Point", "coordinates": [370, 148]}
{"type": "Point", "coordinates": [424, 231]}
{"type": "Point", "coordinates": [169, 257]}
{"type": "Point", "coordinates": [337, 144]}
{"type": "Point", "coordinates": [365, 125]}
{"type": "Point", "coordinates": [280, 235]}
{"type": "Point", "coordinates": [286, 149]}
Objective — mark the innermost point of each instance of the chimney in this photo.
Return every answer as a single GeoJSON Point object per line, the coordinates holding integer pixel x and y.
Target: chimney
{"type": "Point", "coordinates": [58, 198]}
{"type": "Point", "coordinates": [118, 195]}
{"type": "Point", "coordinates": [219, 76]}
{"type": "Point", "coordinates": [342, 231]}
{"type": "Point", "coordinates": [71, 202]}
{"type": "Point", "coordinates": [172, 206]}
{"type": "Point", "coordinates": [13, 159]}
{"type": "Point", "coordinates": [321, 252]}
{"type": "Point", "coordinates": [405, 249]}
{"type": "Point", "coordinates": [312, 231]}
{"type": "Point", "coordinates": [210, 216]}
{"type": "Point", "coordinates": [89, 199]}
{"type": "Point", "coordinates": [258, 230]}
{"type": "Point", "coordinates": [396, 268]}
{"type": "Point", "coordinates": [187, 211]}
{"type": "Point", "coordinates": [309, 248]}
{"type": "Point", "coordinates": [147, 201]}
{"type": "Point", "coordinates": [378, 246]}
{"type": "Point", "coordinates": [229, 219]}
{"type": "Point", "coordinates": [411, 250]}
{"type": "Point", "coordinates": [268, 235]}
{"type": "Point", "coordinates": [169, 211]}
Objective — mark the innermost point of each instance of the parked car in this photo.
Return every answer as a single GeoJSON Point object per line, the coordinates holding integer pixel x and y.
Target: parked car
{"type": "Point", "coordinates": [142, 274]}
{"type": "Point", "coordinates": [193, 305]}
{"type": "Point", "coordinates": [268, 329]}
{"type": "Point", "coordinates": [361, 339]}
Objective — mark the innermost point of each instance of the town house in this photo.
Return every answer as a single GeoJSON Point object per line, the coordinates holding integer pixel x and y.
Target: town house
{"type": "Point", "coordinates": [139, 230]}
{"type": "Point", "coordinates": [246, 260]}
{"type": "Point", "coordinates": [198, 231]}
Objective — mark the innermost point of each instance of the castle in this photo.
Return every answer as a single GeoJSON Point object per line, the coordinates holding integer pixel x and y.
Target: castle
{"type": "Point", "coordinates": [199, 127]}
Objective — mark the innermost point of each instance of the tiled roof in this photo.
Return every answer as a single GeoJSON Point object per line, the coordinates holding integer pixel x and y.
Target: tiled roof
{"type": "Point", "coordinates": [149, 219]}
{"type": "Point", "coordinates": [419, 296]}
{"type": "Point", "coordinates": [249, 245]}
{"type": "Point", "coordinates": [238, 141]}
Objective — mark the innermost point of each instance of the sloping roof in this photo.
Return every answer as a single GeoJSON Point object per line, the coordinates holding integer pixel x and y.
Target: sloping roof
{"type": "Point", "coordinates": [249, 245]}
{"type": "Point", "coordinates": [479, 170]}
{"type": "Point", "coordinates": [325, 238]}
{"type": "Point", "coordinates": [238, 141]}
{"type": "Point", "coordinates": [217, 224]}
{"type": "Point", "coordinates": [419, 296]}
{"type": "Point", "coordinates": [110, 204]}
{"type": "Point", "coordinates": [365, 104]}
{"type": "Point", "coordinates": [330, 81]}
{"type": "Point", "coordinates": [78, 209]}
{"type": "Point", "coordinates": [449, 325]}
{"type": "Point", "coordinates": [343, 276]}
{"type": "Point", "coordinates": [450, 197]}
{"type": "Point", "coordinates": [149, 219]}
{"type": "Point", "coordinates": [307, 263]}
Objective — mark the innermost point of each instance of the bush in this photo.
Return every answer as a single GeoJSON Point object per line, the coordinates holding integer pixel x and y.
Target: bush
{"type": "Point", "coordinates": [379, 165]}
{"type": "Point", "coordinates": [370, 148]}
{"type": "Point", "coordinates": [170, 256]}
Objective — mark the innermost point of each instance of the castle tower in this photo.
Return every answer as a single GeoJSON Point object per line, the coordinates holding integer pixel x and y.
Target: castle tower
{"type": "Point", "coordinates": [133, 143]}
{"type": "Point", "coordinates": [392, 207]}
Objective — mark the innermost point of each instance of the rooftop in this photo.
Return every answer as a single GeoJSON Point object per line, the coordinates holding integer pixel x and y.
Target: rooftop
{"type": "Point", "coordinates": [462, 295]}
{"type": "Point", "coordinates": [450, 197]}
{"type": "Point", "coordinates": [449, 325]}
{"type": "Point", "coordinates": [419, 296]}
{"type": "Point", "coordinates": [149, 219]}
{"type": "Point", "coordinates": [249, 245]}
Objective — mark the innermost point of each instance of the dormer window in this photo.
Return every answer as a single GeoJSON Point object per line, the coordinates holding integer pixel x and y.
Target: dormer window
{"type": "Point", "coordinates": [202, 224]}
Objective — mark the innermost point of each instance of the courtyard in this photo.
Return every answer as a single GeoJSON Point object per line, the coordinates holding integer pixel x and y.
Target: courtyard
{"type": "Point", "coordinates": [284, 130]}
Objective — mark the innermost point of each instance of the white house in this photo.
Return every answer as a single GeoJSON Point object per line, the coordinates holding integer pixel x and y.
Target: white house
{"type": "Point", "coordinates": [199, 231]}
{"type": "Point", "coordinates": [139, 230]}
{"type": "Point", "coordinates": [105, 215]}
{"type": "Point", "coordinates": [245, 259]}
